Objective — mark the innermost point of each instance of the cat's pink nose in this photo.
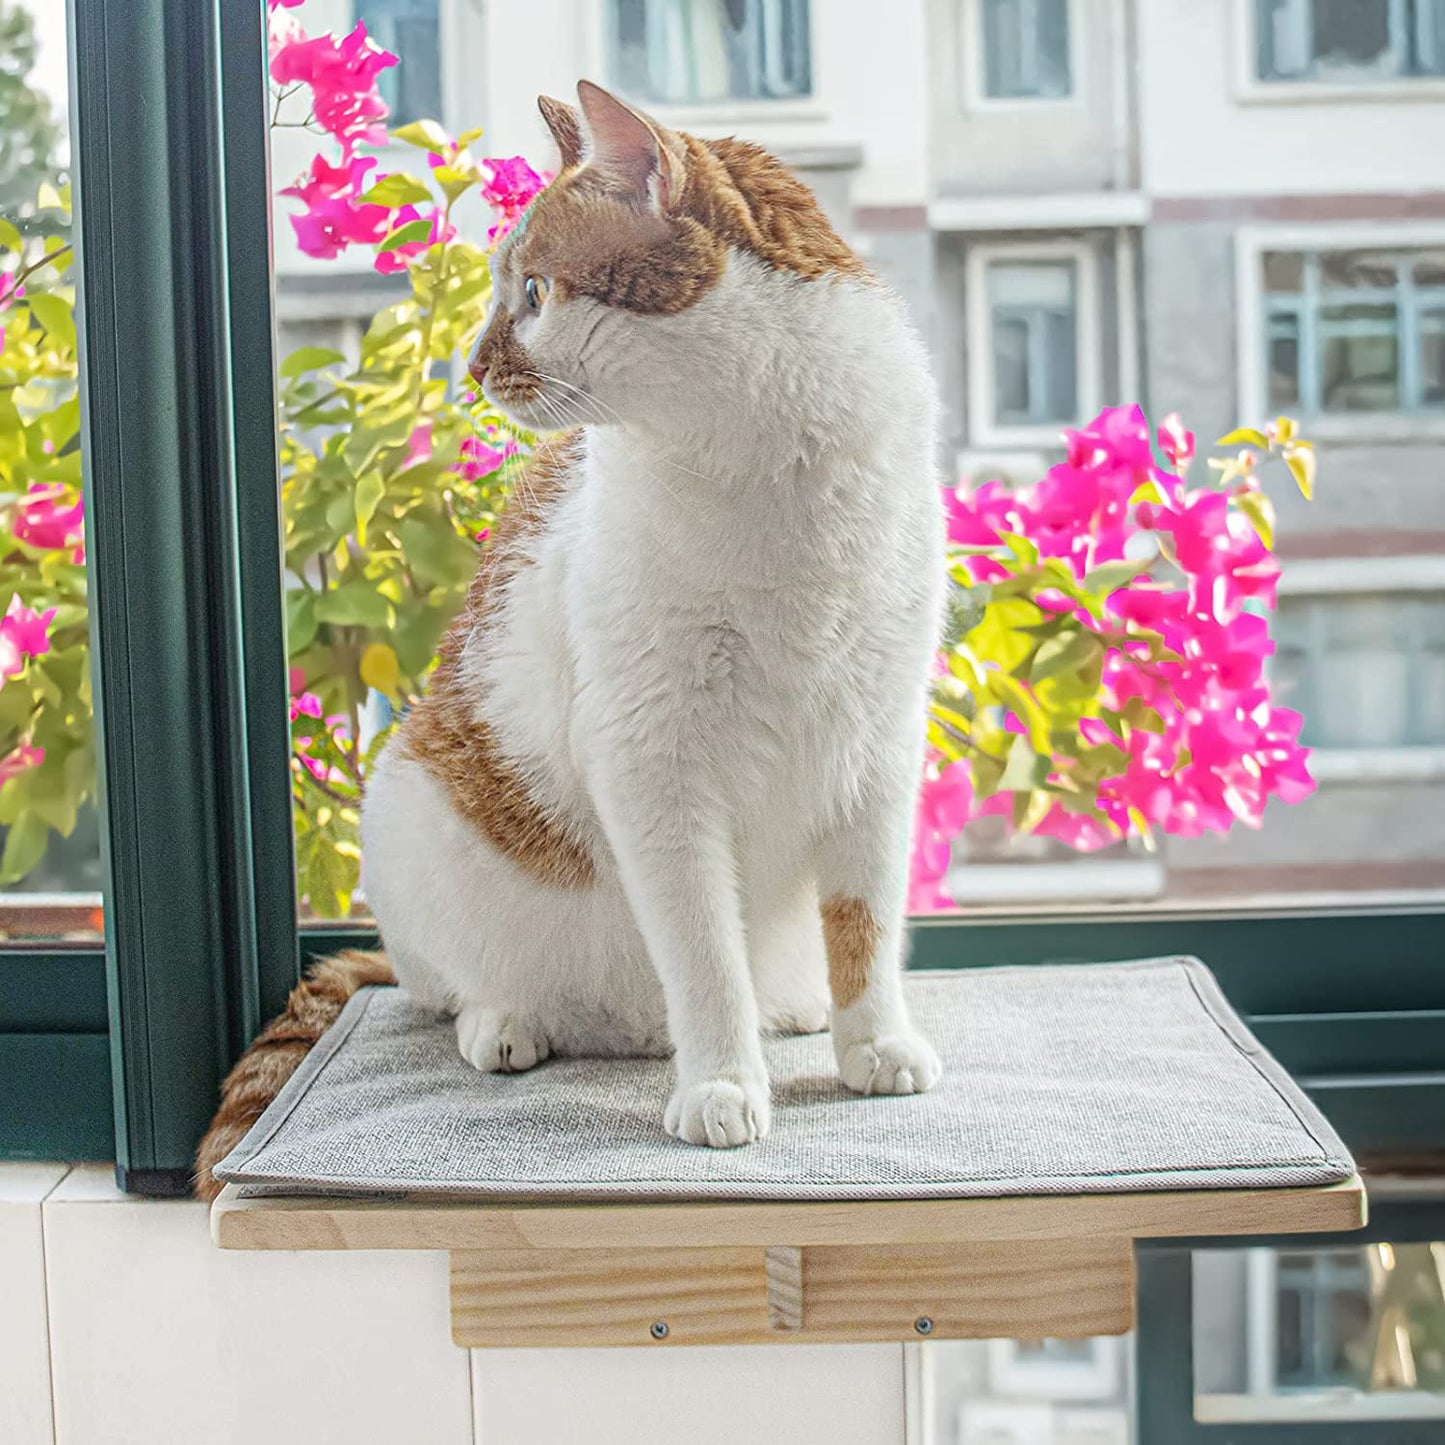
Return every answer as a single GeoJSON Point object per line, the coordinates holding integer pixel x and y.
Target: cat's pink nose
{"type": "Point", "coordinates": [478, 369]}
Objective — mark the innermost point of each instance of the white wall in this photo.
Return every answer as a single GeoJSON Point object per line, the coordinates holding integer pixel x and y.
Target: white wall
{"type": "Point", "coordinates": [1205, 133]}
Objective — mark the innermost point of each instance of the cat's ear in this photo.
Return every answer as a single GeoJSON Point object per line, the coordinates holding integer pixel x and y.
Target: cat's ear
{"type": "Point", "coordinates": [626, 146]}
{"type": "Point", "coordinates": [566, 127]}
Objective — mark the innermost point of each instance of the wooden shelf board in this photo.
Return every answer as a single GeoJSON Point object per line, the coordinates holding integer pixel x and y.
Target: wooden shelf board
{"type": "Point", "coordinates": [429, 1223]}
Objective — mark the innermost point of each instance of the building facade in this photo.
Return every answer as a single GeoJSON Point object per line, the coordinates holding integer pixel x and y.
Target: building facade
{"type": "Point", "coordinates": [1225, 208]}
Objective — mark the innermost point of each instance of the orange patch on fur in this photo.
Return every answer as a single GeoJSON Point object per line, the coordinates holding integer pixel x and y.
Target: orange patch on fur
{"type": "Point", "coordinates": [442, 732]}
{"type": "Point", "coordinates": [278, 1050]}
{"type": "Point", "coordinates": [851, 934]}
{"type": "Point", "coordinates": [592, 238]}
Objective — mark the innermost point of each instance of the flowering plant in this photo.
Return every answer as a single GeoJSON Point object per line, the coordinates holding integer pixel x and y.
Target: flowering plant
{"type": "Point", "coordinates": [1103, 672]}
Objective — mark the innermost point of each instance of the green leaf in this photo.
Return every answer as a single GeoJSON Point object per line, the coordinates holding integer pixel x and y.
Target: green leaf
{"type": "Point", "coordinates": [435, 551]}
{"type": "Point", "coordinates": [369, 492]}
{"type": "Point", "coordinates": [397, 189]}
{"type": "Point", "coordinates": [1065, 653]}
{"type": "Point", "coordinates": [301, 619]}
{"type": "Point", "coordinates": [1300, 459]}
{"type": "Point", "coordinates": [24, 847]}
{"type": "Point", "coordinates": [355, 604]}
{"type": "Point", "coordinates": [467, 137]}
{"type": "Point", "coordinates": [1109, 577]}
{"type": "Point", "coordinates": [1025, 706]}
{"type": "Point", "coordinates": [55, 315]}
{"type": "Point", "coordinates": [1243, 435]}
{"type": "Point", "coordinates": [1260, 511]}
{"type": "Point", "coordinates": [425, 135]}
{"type": "Point", "coordinates": [1025, 770]}
{"type": "Point", "coordinates": [308, 358]}
{"type": "Point", "coordinates": [9, 236]}
{"type": "Point", "coordinates": [406, 234]}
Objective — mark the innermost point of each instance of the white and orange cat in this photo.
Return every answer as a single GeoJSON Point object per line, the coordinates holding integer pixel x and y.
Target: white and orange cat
{"type": "Point", "coordinates": [658, 794]}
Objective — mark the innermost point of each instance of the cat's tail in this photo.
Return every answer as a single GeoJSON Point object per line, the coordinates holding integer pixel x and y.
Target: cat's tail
{"type": "Point", "coordinates": [278, 1050]}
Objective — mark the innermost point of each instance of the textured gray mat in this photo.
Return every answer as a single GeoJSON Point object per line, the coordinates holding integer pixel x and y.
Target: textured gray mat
{"type": "Point", "coordinates": [1108, 1077]}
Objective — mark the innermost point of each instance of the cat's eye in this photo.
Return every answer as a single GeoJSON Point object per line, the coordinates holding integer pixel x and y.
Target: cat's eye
{"type": "Point", "coordinates": [535, 289]}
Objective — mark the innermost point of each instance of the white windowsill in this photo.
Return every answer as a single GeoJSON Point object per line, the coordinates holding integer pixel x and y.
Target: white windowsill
{"type": "Point", "coordinates": [1377, 765]}
{"type": "Point", "coordinates": [1340, 576]}
{"type": "Point", "coordinates": [725, 116]}
{"type": "Point", "coordinates": [1079, 210]}
{"type": "Point", "coordinates": [1114, 880]}
{"type": "Point", "coordinates": [1383, 427]}
{"type": "Point", "coordinates": [1332, 92]}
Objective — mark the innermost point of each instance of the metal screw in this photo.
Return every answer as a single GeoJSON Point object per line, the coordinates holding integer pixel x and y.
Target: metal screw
{"type": "Point", "coordinates": [923, 1325]}
{"type": "Point", "coordinates": [658, 1330]}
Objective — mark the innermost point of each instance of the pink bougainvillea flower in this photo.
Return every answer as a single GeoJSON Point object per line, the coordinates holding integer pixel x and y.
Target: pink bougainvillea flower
{"type": "Point", "coordinates": [1224, 749]}
{"type": "Point", "coordinates": [305, 704]}
{"type": "Point", "coordinates": [17, 760]}
{"type": "Point", "coordinates": [510, 187]}
{"type": "Point", "coordinates": [479, 458]}
{"type": "Point", "coordinates": [24, 633]}
{"type": "Point", "coordinates": [418, 446]}
{"type": "Point", "coordinates": [342, 76]}
{"type": "Point", "coordinates": [45, 519]}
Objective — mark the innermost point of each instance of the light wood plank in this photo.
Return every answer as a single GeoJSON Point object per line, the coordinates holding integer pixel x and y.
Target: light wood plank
{"type": "Point", "coordinates": [784, 1267]}
{"type": "Point", "coordinates": [527, 1298]}
{"type": "Point", "coordinates": [541, 1297]}
{"type": "Point", "coordinates": [423, 1223]}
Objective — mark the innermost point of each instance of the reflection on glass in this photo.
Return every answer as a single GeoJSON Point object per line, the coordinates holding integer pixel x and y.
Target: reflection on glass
{"type": "Point", "coordinates": [1022, 1392]}
{"type": "Point", "coordinates": [50, 866]}
{"type": "Point", "coordinates": [1322, 1334]}
{"type": "Point", "coordinates": [1033, 307]}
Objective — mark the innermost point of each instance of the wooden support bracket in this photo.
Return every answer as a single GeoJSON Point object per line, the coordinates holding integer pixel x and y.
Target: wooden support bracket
{"type": "Point", "coordinates": [548, 1273]}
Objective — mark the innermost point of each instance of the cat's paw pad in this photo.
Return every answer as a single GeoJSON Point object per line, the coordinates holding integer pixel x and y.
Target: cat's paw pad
{"type": "Point", "coordinates": [721, 1113]}
{"type": "Point", "coordinates": [897, 1063]}
{"type": "Point", "coordinates": [500, 1043]}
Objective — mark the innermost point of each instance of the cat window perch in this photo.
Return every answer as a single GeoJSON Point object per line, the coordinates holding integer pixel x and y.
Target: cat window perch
{"type": "Point", "coordinates": [1083, 1108]}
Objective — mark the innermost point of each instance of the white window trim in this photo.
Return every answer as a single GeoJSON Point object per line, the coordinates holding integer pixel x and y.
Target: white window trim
{"type": "Point", "coordinates": [1251, 242]}
{"type": "Point", "coordinates": [1098, 1377]}
{"type": "Point", "coordinates": [713, 119]}
{"type": "Point", "coordinates": [1249, 89]}
{"type": "Point", "coordinates": [983, 431]}
{"type": "Point", "coordinates": [971, 70]}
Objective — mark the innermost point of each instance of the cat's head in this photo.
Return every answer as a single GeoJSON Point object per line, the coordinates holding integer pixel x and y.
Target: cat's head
{"type": "Point", "coordinates": [651, 253]}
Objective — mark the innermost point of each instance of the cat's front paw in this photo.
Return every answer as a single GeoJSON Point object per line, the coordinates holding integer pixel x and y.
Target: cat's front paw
{"type": "Point", "coordinates": [721, 1113]}
{"type": "Point", "coordinates": [898, 1063]}
{"type": "Point", "coordinates": [500, 1043]}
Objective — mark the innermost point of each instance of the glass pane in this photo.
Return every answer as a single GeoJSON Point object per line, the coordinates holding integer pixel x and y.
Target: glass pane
{"type": "Point", "coordinates": [1284, 390]}
{"type": "Point", "coordinates": [1360, 368]}
{"type": "Point", "coordinates": [1320, 1334]}
{"type": "Point", "coordinates": [1353, 39]}
{"type": "Point", "coordinates": [1021, 1392]}
{"type": "Point", "coordinates": [411, 28]}
{"type": "Point", "coordinates": [1035, 360]}
{"type": "Point", "coordinates": [1357, 270]}
{"type": "Point", "coordinates": [1432, 358]}
{"type": "Point", "coordinates": [1283, 272]}
{"type": "Point", "coordinates": [681, 51]}
{"type": "Point", "coordinates": [1429, 37]}
{"type": "Point", "coordinates": [1429, 268]}
{"type": "Point", "coordinates": [1026, 48]}
{"type": "Point", "coordinates": [50, 863]}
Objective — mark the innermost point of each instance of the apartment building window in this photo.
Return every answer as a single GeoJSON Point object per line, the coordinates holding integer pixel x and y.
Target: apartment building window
{"type": "Point", "coordinates": [1323, 1308]}
{"type": "Point", "coordinates": [410, 29]}
{"type": "Point", "coordinates": [1026, 49]}
{"type": "Point", "coordinates": [1033, 311]}
{"type": "Point", "coordinates": [1367, 669]}
{"type": "Point", "coordinates": [1355, 331]}
{"type": "Point", "coordinates": [1350, 41]}
{"type": "Point", "coordinates": [678, 52]}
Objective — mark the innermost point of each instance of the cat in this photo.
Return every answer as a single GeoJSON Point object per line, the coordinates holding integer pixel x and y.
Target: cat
{"type": "Point", "coordinates": [657, 796]}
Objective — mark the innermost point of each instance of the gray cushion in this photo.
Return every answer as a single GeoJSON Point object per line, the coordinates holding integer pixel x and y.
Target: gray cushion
{"type": "Point", "coordinates": [1106, 1077]}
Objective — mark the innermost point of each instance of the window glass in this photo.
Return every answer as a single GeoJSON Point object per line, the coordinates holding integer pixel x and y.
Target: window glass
{"type": "Point", "coordinates": [1320, 1334]}
{"type": "Point", "coordinates": [1032, 305]}
{"type": "Point", "coordinates": [50, 860]}
{"type": "Point", "coordinates": [411, 28]}
{"type": "Point", "coordinates": [682, 51]}
{"type": "Point", "coordinates": [1026, 49]}
{"type": "Point", "coordinates": [1349, 40]}
{"type": "Point", "coordinates": [1354, 331]}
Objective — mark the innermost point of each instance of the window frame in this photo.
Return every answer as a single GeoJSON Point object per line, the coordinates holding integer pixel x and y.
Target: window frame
{"type": "Point", "coordinates": [1252, 89]}
{"type": "Point", "coordinates": [1251, 329]}
{"type": "Point", "coordinates": [983, 430]}
{"type": "Point", "coordinates": [973, 31]}
{"type": "Point", "coordinates": [729, 110]}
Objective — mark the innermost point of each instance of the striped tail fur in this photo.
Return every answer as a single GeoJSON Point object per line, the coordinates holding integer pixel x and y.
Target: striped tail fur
{"type": "Point", "coordinates": [279, 1048]}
